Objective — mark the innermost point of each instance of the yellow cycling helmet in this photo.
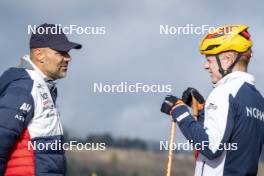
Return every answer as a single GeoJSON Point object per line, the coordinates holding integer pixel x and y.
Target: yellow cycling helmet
{"type": "Point", "coordinates": [226, 38]}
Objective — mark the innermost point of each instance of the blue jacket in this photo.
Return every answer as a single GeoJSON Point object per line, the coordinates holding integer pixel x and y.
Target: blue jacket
{"type": "Point", "coordinates": [232, 133]}
{"type": "Point", "coordinates": [29, 124]}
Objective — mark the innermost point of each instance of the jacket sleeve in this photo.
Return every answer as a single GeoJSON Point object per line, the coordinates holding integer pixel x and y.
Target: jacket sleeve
{"type": "Point", "coordinates": [211, 133]}
{"type": "Point", "coordinates": [16, 110]}
{"type": "Point", "coordinates": [201, 115]}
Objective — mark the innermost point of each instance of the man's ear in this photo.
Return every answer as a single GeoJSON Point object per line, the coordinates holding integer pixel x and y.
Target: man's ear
{"type": "Point", "coordinates": [38, 54]}
{"type": "Point", "coordinates": [229, 58]}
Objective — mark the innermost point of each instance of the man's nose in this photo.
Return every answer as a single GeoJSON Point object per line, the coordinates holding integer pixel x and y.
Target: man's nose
{"type": "Point", "coordinates": [206, 65]}
{"type": "Point", "coordinates": [67, 58]}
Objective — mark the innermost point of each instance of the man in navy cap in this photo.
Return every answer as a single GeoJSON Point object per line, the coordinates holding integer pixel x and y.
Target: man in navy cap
{"type": "Point", "coordinates": [31, 135]}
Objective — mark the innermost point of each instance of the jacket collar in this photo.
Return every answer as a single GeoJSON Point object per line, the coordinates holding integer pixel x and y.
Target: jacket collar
{"type": "Point", "coordinates": [38, 75]}
{"type": "Point", "coordinates": [236, 75]}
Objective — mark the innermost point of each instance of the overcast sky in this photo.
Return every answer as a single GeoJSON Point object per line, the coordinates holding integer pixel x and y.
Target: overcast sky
{"type": "Point", "coordinates": [132, 50]}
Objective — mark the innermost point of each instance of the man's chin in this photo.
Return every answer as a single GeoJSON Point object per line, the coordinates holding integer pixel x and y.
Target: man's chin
{"type": "Point", "coordinates": [61, 75]}
{"type": "Point", "coordinates": [213, 80]}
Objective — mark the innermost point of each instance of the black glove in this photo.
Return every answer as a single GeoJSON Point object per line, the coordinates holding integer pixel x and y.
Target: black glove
{"type": "Point", "coordinates": [187, 96]}
{"type": "Point", "coordinates": [168, 103]}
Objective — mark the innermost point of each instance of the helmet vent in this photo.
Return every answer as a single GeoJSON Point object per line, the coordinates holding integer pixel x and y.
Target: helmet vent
{"type": "Point", "coordinates": [211, 47]}
{"type": "Point", "coordinates": [245, 34]}
{"type": "Point", "coordinates": [215, 35]}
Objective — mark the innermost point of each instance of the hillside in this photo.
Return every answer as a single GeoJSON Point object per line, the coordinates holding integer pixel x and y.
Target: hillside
{"type": "Point", "coordinates": [117, 162]}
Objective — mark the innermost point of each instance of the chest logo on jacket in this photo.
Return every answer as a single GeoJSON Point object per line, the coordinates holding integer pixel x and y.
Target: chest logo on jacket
{"type": "Point", "coordinates": [46, 100]}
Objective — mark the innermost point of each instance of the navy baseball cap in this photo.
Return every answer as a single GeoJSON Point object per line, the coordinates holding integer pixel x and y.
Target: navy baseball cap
{"type": "Point", "coordinates": [51, 36]}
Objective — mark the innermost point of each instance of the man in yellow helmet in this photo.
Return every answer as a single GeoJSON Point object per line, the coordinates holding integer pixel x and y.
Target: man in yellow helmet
{"type": "Point", "coordinates": [230, 43]}
{"type": "Point", "coordinates": [230, 130]}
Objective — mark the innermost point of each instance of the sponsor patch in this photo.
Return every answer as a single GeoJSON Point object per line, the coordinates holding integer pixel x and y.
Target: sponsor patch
{"type": "Point", "coordinates": [211, 106]}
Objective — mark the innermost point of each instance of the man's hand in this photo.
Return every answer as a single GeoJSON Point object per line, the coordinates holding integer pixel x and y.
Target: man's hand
{"type": "Point", "coordinates": [187, 96]}
{"type": "Point", "coordinates": [169, 103]}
